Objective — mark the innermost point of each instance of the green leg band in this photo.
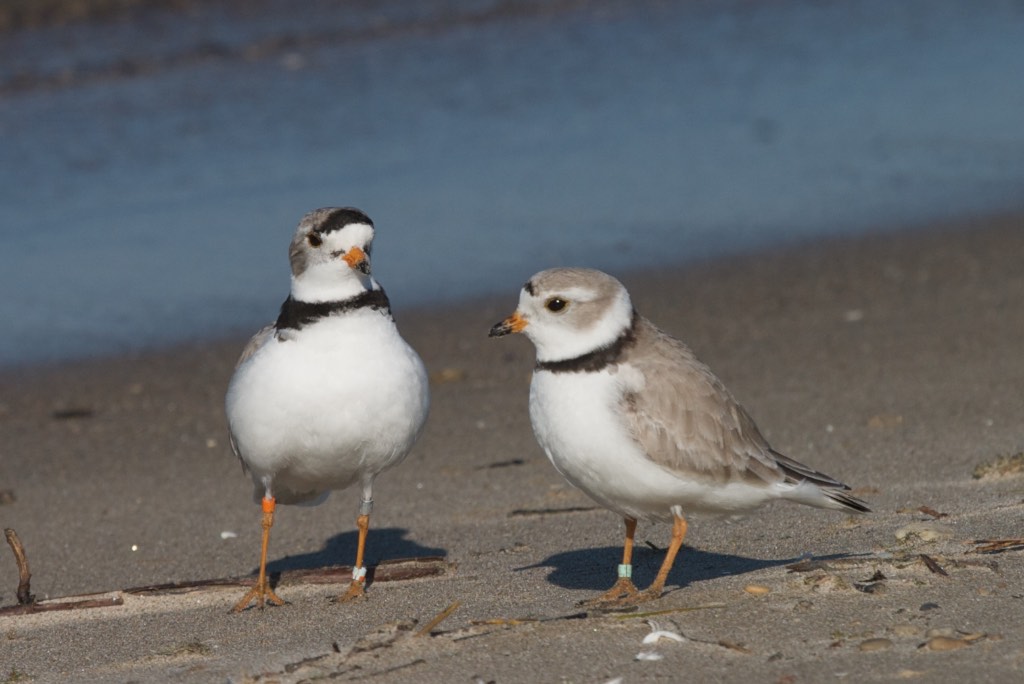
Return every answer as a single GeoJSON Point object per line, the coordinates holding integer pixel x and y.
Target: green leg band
{"type": "Point", "coordinates": [625, 570]}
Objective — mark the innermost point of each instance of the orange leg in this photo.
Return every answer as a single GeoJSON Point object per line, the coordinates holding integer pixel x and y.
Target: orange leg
{"type": "Point", "coordinates": [623, 587]}
{"type": "Point", "coordinates": [625, 597]}
{"type": "Point", "coordinates": [262, 592]}
{"type": "Point", "coordinates": [658, 585]}
{"type": "Point", "coordinates": [357, 588]}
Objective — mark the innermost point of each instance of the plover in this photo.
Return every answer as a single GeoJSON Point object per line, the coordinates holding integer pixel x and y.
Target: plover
{"type": "Point", "coordinates": [628, 415]}
{"type": "Point", "coordinates": [330, 394]}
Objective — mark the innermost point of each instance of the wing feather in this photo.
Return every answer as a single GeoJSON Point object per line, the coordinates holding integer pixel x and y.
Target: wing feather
{"type": "Point", "coordinates": [687, 421]}
{"type": "Point", "coordinates": [255, 342]}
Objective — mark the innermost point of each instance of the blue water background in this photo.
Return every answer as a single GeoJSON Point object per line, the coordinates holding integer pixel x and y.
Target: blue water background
{"type": "Point", "coordinates": [152, 169]}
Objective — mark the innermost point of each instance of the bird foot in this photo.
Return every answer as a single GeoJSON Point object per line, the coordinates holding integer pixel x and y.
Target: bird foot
{"type": "Point", "coordinates": [261, 593]}
{"type": "Point", "coordinates": [355, 591]}
{"type": "Point", "coordinates": [649, 594]}
{"type": "Point", "coordinates": [623, 599]}
{"type": "Point", "coordinates": [621, 590]}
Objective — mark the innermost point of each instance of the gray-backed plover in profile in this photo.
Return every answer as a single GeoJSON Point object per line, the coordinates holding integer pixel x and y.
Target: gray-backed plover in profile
{"type": "Point", "coordinates": [628, 415]}
{"type": "Point", "coordinates": [330, 394]}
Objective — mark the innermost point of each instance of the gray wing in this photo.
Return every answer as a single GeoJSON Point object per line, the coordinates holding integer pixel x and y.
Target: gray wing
{"type": "Point", "coordinates": [686, 420]}
{"type": "Point", "coordinates": [234, 448]}
{"type": "Point", "coordinates": [255, 342]}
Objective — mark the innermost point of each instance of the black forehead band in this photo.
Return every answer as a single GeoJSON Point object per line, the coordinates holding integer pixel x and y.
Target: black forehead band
{"type": "Point", "coordinates": [339, 218]}
{"type": "Point", "coordinates": [529, 288]}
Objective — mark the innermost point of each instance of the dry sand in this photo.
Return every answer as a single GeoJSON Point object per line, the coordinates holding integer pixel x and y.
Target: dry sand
{"type": "Point", "coordinates": [893, 362]}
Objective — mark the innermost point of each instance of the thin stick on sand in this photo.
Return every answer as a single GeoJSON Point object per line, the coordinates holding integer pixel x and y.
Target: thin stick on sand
{"type": "Point", "coordinates": [25, 597]}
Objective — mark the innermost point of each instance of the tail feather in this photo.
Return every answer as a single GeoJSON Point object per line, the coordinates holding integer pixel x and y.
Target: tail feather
{"type": "Point", "coordinates": [831, 488]}
{"type": "Point", "coordinates": [851, 502]}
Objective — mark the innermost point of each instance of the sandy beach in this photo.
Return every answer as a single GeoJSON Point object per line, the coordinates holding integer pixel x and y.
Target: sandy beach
{"type": "Point", "coordinates": [892, 362]}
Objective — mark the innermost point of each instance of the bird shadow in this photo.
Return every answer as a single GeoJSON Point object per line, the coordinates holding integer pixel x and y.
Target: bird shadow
{"type": "Point", "coordinates": [383, 543]}
{"type": "Point", "coordinates": [595, 568]}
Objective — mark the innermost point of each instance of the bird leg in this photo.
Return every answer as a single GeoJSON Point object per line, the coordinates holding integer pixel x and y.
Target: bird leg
{"type": "Point", "coordinates": [623, 593]}
{"type": "Point", "coordinates": [658, 585]}
{"type": "Point", "coordinates": [623, 587]}
{"type": "Point", "coordinates": [261, 591]}
{"type": "Point", "coordinates": [357, 588]}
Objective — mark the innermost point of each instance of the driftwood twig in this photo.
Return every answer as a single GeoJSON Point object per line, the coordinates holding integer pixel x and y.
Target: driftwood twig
{"type": "Point", "coordinates": [438, 619]}
{"type": "Point", "coordinates": [60, 604]}
{"type": "Point", "coordinates": [25, 597]}
{"type": "Point", "coordinates": [386, 571]}
{"type": "Point", "coordinates": [997, 545]}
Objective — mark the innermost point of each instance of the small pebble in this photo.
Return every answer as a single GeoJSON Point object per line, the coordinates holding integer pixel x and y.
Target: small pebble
{"type": "Point", "coordinates": [925, 531]}
{"type": "Point", "coordinates": [871, 587]}
{"type": "Point", "coordinates": [906, 631]}
{"type": "Point", "coordinates": [659, 634]}
{"type": "Point", "coordinates": [909, 674]}
{"type": "Point", "coordinates": [879, 644]}
{"type": "Point", "coordinates": [824, 584]}
{"type": "Point", "coordinates": [944, 643]}
{"type": "Point", "coordinates": [448, 375]}
{"type": "Point", "coordinates": [757, 589]}
{"type": "Point", "coordinates": [939, 632]}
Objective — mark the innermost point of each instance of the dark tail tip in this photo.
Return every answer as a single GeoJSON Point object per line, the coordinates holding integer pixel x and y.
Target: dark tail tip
{"type": "Point", "coordinates": [851, 502]}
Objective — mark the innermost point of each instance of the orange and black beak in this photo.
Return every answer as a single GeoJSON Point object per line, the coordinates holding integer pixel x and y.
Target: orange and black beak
{"type": "Point", "coordinates": [513, 324]}
{"type": "Point", "coordinates": [356, 258]}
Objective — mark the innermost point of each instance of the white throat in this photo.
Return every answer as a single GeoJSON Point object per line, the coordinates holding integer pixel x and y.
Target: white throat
{"type": "Point", "coordinates": [328, 283]}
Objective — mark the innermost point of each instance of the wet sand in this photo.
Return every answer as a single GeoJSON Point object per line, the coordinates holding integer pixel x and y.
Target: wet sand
{"type": "Point", "coordinates": [893, 362]}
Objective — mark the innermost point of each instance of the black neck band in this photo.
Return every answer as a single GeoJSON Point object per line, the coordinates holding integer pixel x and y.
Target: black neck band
{"type": "Point", "coordinates": [295, 314]}
{"type": "Point", "coordinates": [598, 359]}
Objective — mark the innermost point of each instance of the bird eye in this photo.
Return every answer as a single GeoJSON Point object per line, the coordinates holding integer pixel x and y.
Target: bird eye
{"type": "Point", "coordinates": [314, 240]}
{"type": "Point", "coordinates": [555, 304]}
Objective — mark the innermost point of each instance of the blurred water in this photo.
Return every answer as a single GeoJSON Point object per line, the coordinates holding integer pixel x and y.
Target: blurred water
{"type": "Point", "coordinates": [152, 171]}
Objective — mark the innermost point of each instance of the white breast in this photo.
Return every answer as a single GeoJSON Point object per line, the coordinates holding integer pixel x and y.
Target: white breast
{"type": "Point", "coordinates": [336, 401]}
